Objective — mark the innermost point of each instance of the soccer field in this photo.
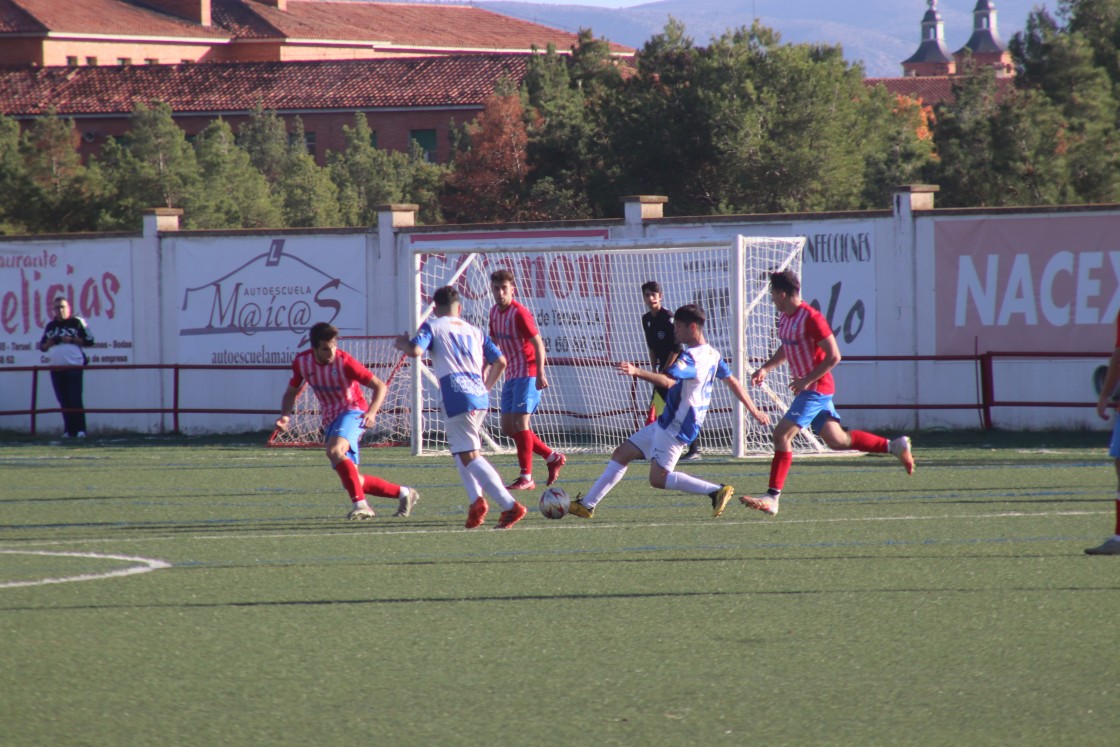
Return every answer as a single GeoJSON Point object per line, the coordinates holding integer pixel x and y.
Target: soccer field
{"type": "Point", "coordinates": [172, 591]}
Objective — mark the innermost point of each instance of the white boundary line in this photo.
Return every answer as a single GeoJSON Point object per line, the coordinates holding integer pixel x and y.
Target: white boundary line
{"type": "Point", "coordinates": [568, 525]}
{"type": "Point", "coordinates": [145, 565]}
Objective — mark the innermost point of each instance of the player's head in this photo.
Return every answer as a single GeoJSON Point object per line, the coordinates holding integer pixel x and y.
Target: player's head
{"type": "Point", "coordinates": [785, 290]}
{"type": "Point", "coordinates": [688, 324]}
{"type": "Point", "coordinates": [61, 308]}
{"type": "Point", "coordinates": [446, 300]}
{"type": "Point", "coordinates": [501, 286]}
{"type": "Point", "coordinates": [324, 342]}
{"type": "Point", "coordinates": [651, 294]}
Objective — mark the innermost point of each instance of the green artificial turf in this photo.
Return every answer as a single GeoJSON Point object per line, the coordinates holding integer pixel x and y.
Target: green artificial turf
{"type": "Point", "coordinates": [952, 607]}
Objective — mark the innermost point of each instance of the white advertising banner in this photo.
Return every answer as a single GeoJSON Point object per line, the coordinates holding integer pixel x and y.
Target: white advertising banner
{"type": "Point", "coordinates": [838, 269]}
{"type": "Point", "coordinates": [94, 276]}
{"type": "Point", "coordinates": [252, 301]}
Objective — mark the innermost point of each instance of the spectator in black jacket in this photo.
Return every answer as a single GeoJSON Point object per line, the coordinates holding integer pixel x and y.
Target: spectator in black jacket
{"type": "Point", "coordinates": [63, 340]}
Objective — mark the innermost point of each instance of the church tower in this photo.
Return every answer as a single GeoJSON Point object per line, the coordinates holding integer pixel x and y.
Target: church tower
{"type": "Point", "coordinates": [932, 57]}
{"type": "Point", "coordinates": [985, 46]}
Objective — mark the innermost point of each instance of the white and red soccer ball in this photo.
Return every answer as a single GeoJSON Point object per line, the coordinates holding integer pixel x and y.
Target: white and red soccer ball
{"type": "Point", "coordinates": [554, 503]}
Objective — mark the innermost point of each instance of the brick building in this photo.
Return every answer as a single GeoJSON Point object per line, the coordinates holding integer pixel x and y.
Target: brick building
{"type": "Point", "coordinates": [412, 69]}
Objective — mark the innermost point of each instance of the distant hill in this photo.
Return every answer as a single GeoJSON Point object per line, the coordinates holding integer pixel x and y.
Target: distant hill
{"type": "Point", "coordinates": [880, 33]}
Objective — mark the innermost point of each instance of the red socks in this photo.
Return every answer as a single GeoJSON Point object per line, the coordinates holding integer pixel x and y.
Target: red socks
{"type": "Point", "coordinates": [382, 488]}
{"type": "Point", "coordinates": [1118, 518]}
{"type": "Point", "coordinates": [351, 480]}
{"type": "Point", "coordinates": [779, 468]}
{"type": "Point", "coordinates": [868, 442]}
{"type": "Point", "coordinates": [528, 444]}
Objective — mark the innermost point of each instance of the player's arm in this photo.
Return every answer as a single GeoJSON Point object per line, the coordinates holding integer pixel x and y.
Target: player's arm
{"type": "Point", "coordinates": [664, 381]}
{"type": "Point", "coordinates": [494, 372]}
{"type": "Point", "coordinates": [777, 359]}
{"type": "Point", "coordinates": [831, 357]}
{"type": "Point", "coordinates": [538, 349]}
{"type": "Point", "coordinates": [378, 389]}
{"type": "Point", "coordinates": [405, 344]}
{"type": "Point", "coordinates": [741, 394]}
{"type": "Point", "coordinates": [287, 404]}
{"type": "Point", "coordinates": [1111, 380]}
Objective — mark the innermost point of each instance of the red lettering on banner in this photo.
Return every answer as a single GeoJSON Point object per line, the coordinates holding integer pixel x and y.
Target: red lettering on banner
{"type": "Point", "coordinates": [28, 308]}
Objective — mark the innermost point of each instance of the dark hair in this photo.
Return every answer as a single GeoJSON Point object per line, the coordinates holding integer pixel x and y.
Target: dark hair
{"type": "Point", "coordinates": [690, 313]}
{"type": "Point", "coordinates": [785, 281]}
{"type": "Point", "coordinates": [322, 332]}
{"type": "Point", "coordinates": [651, 286]}
{"type": "Point", "coordinates": [446, 296]}
{"type": "Point", "coordinates": [502, 276]}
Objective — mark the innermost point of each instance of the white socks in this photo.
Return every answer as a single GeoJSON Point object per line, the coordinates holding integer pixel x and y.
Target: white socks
{"type": "Point", "coordinates": [491, 482]}
{"type": "Point", "coordinates": [610, 477]}
{"type": "Point", "coordinates": [474, 490]}
{"type": "Point", "coordinates": [689, 484]}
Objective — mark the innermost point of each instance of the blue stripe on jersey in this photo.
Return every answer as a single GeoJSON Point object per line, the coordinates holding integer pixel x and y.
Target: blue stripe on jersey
{"type": "Point", "coordinates": [458, 350]}
{"type": "Point", "coordinates": [686, 404]}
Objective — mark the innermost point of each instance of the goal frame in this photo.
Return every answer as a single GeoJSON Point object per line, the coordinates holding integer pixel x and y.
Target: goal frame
{"type": "Point", "coordinates": [737, 260]}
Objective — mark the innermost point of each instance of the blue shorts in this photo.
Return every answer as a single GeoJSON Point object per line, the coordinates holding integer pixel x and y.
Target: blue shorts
{"type": "Point", "coordinates": [348, 425]}
{"type": "Point", "coordinates": [1114, 444]}
{"type": "Point", "coordinates": [811, 408]}
{"type": "Point", "coordinates": [521, 395]}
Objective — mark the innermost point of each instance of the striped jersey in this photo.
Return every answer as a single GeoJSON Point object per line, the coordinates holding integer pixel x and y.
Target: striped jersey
{"type": "Point", "coordinates": [801, 334]}
{"type": "Point", "coordinates": [458, 350]}
{"type": "Point", "coordinates": [512, 328]}
{"type": "Point", "coordinates": [686, 404]}
{"type": "Point", "coordinates": [337, 385]}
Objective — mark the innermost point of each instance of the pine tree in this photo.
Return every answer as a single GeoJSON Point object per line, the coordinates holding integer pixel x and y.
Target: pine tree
{"type": "Point", "coordinates": [233, 194]}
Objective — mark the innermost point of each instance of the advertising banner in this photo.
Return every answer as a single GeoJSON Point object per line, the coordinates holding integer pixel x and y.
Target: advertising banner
{"type": "Point", "coordinates": [838, 278]}
{"type": "Point", "coordinates": [95, 277]}
{"type": "Point", "coordinates": [252, 301]}
{"type": "Point", "coordinates": [1027, 284]}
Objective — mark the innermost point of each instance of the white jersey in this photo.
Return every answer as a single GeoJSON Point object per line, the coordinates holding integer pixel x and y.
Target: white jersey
{"type": "Point", "coordinates": [458, 350]}
{"type": "Point", "coordinates": [686, 404]}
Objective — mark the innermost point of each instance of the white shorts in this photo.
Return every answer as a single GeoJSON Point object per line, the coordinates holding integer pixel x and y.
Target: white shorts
{"type": "Point", "coordinates": [463, 430]}
{"type": "Point", "coordinates": [657, 445]}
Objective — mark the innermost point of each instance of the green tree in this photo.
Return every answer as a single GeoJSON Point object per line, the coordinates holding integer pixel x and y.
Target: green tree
{"type": "Point", "coordinates": [308, 196]}
{"type": "Point", "coordinates": [233, 194]}
{"type": "Point", "coordinates": [59, 194]}
{"type": "Point", "coordinates": [264, 136]}
{"type": "Point", "coordinates": [367, 177]}
{"type": "Point", "coordinates": [13, 178]}
{"type": "Point", "coordinates": [900, 150]}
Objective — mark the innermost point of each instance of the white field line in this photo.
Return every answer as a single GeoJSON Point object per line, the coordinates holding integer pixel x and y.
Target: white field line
{"type": "Point", "coordinates": [144, 565]}
{"type": "Point", "coordinates": [569, 525]}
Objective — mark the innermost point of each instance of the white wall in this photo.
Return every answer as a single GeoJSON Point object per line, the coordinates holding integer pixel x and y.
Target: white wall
{"type": "Point", "coordinates": [892, 281]}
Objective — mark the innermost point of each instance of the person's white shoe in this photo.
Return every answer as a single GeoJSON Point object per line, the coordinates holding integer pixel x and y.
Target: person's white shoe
{"type": "Point", "coordinates": [404, 506]}
{"type": "Point", "coordinates": [360, 513]}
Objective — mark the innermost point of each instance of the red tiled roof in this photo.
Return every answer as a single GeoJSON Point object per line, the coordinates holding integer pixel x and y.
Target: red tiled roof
{"type": "Point", "coordinates": [458, 27]}
{"type": "Point", "coordinates": [401, 25]}
{"type": "Point", "coordinates": [111, 17]}
{"type": "Point", "coordinates": [455, 80]}
{"type": "Point", "coordinates": [933, 89]}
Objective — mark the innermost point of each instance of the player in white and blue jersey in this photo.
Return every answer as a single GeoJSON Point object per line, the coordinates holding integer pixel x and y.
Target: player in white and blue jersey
{"type": "Point", "coordinates": [689, 380]}
{"type": "Point", "coordinates": [468, 365]}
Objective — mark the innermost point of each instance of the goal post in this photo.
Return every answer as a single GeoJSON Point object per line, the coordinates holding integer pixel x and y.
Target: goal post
{"type": "Point", "coordinates": [587, 301]}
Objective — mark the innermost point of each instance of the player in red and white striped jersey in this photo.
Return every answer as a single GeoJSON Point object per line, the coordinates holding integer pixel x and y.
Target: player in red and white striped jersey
{"type": "Point", "coordinates": [514, 329]}
{"type": "Point", "coordinates": [337, 379]}
{"type": "Point", "coordinates": [810, 349]}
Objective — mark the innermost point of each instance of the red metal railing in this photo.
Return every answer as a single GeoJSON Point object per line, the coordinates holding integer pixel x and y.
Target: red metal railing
{"type": "Point", "coordinates": [983, 363]}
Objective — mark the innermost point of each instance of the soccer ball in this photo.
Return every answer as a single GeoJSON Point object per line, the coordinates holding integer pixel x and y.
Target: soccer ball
{"type": "Point", "coordinates": [554, 503]}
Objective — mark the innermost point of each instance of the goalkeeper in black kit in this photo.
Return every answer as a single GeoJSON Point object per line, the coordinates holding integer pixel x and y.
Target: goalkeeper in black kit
{"type": "Point", "coordinates": [657, 323]}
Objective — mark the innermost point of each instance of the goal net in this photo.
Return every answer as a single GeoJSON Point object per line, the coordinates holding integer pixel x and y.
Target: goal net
{"type": "Point", "coordinates": [588, 306]}
{"type": "Point", "coordinates": [393, 423]}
